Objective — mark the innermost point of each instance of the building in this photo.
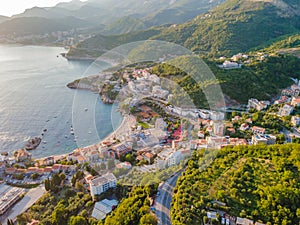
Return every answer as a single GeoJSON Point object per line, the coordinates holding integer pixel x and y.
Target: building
{"type": "Point", "coordinates": [230, 65]}
{"type": "Point", "coordinates": [295, 121]}
{"type": "Point", "coordinates": [218, 128]}
{"type": "Point", "coordinates": [102, 208]}
{"type": "Point", "coordinates": [122, 149]}
{"type": "Point", "coordinates": [102, 183]}
{"type": "Point", "coordinates": [158, 92]}
{"type": "Point", "coordinates": [258, 105]}
{"type": "Point", "coordinates": [263, 139]}
{"type": "Point", "coordinates": [177, 156]}
{"type": "Point", "coordinates": [296, 101]}
{"type": "Point", "coordinates": [22, 155]}
{"type": "Point", "coordinates": [244, 127]}
{"type": "Point", "coordinates": [286, 110]}
{"type": "Point", "coordinates": [258, 130]}
{"type": "Point", "coordinates": [244, 221]}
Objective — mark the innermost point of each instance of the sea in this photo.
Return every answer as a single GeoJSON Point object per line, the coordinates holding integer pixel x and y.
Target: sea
{"type": "Point", "coordinates": [35, 102]}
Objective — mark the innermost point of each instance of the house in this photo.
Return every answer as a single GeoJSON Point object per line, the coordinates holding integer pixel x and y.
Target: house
{"type": "Point", "coordinates": [124, 165]}
{"type": "Point", "coordinates": [296, 90]}
{"type": "Point", "coordinates": [122, 149]}
{"type": "Point", "coordinates": [263, 139]}
{"type": "Point", "coordinates": [204, 115]}
{"type": "Point", "coordinates": [33, 222]}
{"type": "Point", "coordinates": [56, 168]}
{"type": "Point", "coordinates": [258, 105]}
{"type": "Point", "coordinates": [158, 92]}
{"type": "Point", "coordinates": [286, 110]}
{"type": "Point", "coordinates": [258, 223]}
{"type": "Point", "coordinates": [218, 128]}
{"type": "Point", "coordinates": [102, 183]}
{"type": "Point", "coordinates": [244, 221]}
{"type": "Point", "coordinates": [32, 170]}
{"type": "Point", "coordinates": [102, 208]}
{"type": "Point", "coordinates": [149, 157]}
{"type": "Point", "coordinates": [244, 127]}
{"type": "Point", "coordinates": [10, 171]}
{"type": "Point", "coordinates": [230, 65]}
{"type": "Point", "coordinates": [22, 155]}
{"type": "Point", "coordinates": [295, 121]}
{"type": "Point", "coordinates": [176, 157]}
{"type": "Point", "coordinates": [258, 130]}
{"type": "Point", "coordinates": [296, 101]}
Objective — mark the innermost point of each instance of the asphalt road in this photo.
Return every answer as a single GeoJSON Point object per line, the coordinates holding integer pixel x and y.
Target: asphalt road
{"type": "Point", "coordinates": [29, 199]}
{"type": "Point", "coordinates": [163, 201]}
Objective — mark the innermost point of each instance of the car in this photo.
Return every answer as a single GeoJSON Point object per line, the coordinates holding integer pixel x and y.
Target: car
{"type": "Point", "coordinates": [152, 209]}
{"type": "Point", "coordinates": [158, 193]}
{"type": "Point", "coordinates": [223, 221]}
{"type": "Point", "coordinates": [227, 222]}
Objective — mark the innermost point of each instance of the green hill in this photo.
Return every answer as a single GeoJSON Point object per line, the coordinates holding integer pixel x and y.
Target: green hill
{"type": "Point", "coordinates": [31, 25]}
{"type": "Point", "coordinates": [232, 27]}
{"type": "Point", "coordinates": [255, 182]}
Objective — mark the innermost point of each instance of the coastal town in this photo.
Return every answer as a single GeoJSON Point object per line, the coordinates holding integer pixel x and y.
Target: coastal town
{"type": "Point", "coordinates": [155, 135]}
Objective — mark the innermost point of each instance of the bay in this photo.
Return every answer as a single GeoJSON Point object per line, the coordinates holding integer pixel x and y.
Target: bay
{"type": "Point", "coordinates": [34, 97]}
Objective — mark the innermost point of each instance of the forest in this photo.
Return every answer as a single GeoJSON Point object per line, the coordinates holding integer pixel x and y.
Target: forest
{"type": "Point", "coordinates": [260, 182]}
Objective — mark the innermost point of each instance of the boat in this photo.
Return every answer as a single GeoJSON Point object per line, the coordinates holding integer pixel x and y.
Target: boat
{"type": "Point", "coordinates": [86, 109]}
{"type": "Point", "coordinates": [33, 143]}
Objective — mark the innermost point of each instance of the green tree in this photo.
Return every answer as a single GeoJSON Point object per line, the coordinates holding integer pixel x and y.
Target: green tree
{"type": "Point", "coordinates": [77, 220]}
{"type": "Point", "coordinates": [148, 219]}
{"type": "Point", "coordinates": [59, 215]}
{"type": "Point", "coordinates": [110, 164]}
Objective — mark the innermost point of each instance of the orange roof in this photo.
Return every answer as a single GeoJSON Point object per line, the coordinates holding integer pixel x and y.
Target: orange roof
{"type": "Point", "coordinates": [80, 158]}
{"type": "Point", "coordinates": [56, 166]}
{"type": "Point", "coordinates": [48, 169]}
{"type": "Point", "coordinates": [149, 155]}
{"type": "Point", "coordinates": [10, 170]}
{"type": "Point", "coordinates": [32, 169]}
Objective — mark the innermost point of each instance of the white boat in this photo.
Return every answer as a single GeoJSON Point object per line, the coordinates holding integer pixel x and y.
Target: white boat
{"type": "Point", "coordinates": [86, 109]}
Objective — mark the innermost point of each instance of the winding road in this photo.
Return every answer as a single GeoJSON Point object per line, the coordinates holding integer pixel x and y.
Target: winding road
{"type": "Point", "coordinates": [163, 201]}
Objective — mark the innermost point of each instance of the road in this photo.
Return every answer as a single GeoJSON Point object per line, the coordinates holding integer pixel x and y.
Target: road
{"type": "Point", "coordinates": [29, 199]}
{"type": "Point", "coordinates": [163, 201]}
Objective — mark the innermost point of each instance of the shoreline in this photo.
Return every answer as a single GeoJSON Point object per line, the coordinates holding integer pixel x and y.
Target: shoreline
{"type": "Point", "coordinates": [125, 121]}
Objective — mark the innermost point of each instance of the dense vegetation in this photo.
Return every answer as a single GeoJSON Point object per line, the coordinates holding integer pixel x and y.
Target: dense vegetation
{"type": "Point", "coordinates": [257, 182]}
{"type": "Point", "coordinates": [259, 79]}
{"type": "Point", "coordinates": [135, 209]}
{"type": "Point", "coordinates": [234, 26]}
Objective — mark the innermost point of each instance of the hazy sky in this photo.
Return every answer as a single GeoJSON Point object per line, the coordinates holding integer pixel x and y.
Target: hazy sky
{"type": "Point", "coordinates": [11, 7]}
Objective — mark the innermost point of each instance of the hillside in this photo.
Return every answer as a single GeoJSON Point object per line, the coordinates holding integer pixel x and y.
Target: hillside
{"type": "Point", "coordinates": [258, 79]}
{"type": "Point", "coordinates": [39, 25]}
{"type": "Point", "coordinates": [256, 182]}
{"type": "Point", "coordinates": [232, 27]}
{"type": "Point", "coordinates": [31, 25]}
{"type": "Point", "coordinates": [3, 18]}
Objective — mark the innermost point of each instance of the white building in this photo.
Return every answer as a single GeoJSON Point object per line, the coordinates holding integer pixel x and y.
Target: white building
{"type": "Point", "coordinates": [295, 121]}
{"type": "Point", "coordinates": [101, 184]}
{"type": "Point", "coordinates": [263, 139]}
{"type": "Point", "coordinates": [286, 110]}
{"type": "Point", "coordinates": [157, 91]}
{"type": "Point", "coordinates": [230, 65]}
{"type": "Point", "coordinates": [102, 208]}
{"type": "Point", "coordinates": [258, 105]}
{"type": "Point", "coordinates": [218, 128]}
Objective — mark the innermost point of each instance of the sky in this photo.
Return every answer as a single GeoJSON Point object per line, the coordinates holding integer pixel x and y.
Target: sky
{"type": "Point", "coordinates": [12, 7]}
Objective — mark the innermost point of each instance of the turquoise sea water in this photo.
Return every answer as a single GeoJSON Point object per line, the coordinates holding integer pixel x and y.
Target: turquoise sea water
{"type": "Point", "coordinates": [34, 97]}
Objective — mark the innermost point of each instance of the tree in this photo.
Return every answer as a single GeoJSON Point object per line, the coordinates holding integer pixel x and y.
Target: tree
{"type": "Point", "coordinates": [77, 220]}
{"type": "Point", "coordinates": [110, 164]}
{"type": "Point", "coordinates": [148, 219]}
{"type": "Point", "coordinates": [102, 166]}
{"type": "Point", "coordinates": [59, 215]}
{"type": "Point", "coordinates": [56, 180]}
{"type": "Point", "coordinates": [47, 185]}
